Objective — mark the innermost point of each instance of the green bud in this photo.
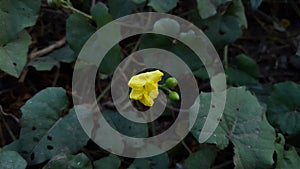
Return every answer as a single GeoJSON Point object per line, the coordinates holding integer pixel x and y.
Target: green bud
{"type": "Point", "coordinates": [54, 3]}
{"type": "Point", "coordinates": [174, 96]}
{"type": "Point", "coordinates": [171, 82]}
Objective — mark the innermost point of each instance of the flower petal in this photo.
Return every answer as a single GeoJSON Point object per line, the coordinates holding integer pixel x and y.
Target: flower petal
{"type": "Point", "coordinates": [145, 87]}
{"type": "Point", "coordinates": [152, 89]}
{"type": "Point", "coordinates": [137, 81]}
{"type": "Point", "coordinates": [146, 100]}
{"type": "Point", "coordinates": [136, 94]}
{"type": "Point", "coordinates": [154, 76]}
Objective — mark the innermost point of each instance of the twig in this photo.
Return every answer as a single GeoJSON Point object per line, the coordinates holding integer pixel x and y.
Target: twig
{"type": "Point", "coordinates": [42, 52]}
{"type": "Point", "coordinates": [6, 125]}
{"type": "Point", "coordinates": [225, 54]}
{"type": "Point", "coordinates": [56, 77]}
{"type": "Point", "coordinates": [101, 96]}
{"type": "Point", "coordinates": [48, 49]}
{"type": "Point", "coordinates": [93, 2]}
{"type": "Point", "coordinates": [186, 147]}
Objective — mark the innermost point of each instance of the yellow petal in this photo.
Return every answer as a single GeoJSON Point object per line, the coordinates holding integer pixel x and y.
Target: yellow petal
{"type": "Point", "coordinates": [136, 94]}
{"type": "Point", "coordinates": [154, 76]}
{"type": "Point", "coordinates": [146, 100]}
{"type": "Point", "coordinates": [145, 87]}
{"type": "Point", "coordinates": [152, 89]}
{"type": "Point", "coordinates": [137, 81]}
{"type": "Point", "coordinates": [153, 94]}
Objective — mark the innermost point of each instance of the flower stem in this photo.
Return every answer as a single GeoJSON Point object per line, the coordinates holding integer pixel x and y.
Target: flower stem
{"type": "Point", "coordinates": [164, 88]}
{"type": "Point", "coordinates": [68, 5]}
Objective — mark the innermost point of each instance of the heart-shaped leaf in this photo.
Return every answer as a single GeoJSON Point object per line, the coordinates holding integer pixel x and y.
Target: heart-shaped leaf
{"type": "Point", "coordinates": [44, 132]}
{"type": "Point", "coordinates": [225, 28]}
{"type": "Point", "coordinates": [79, 31]}
{"type": "Point", "coordinates": [15, 15]}
{"type": "Point", "coordinates": [284, 107]}
{"type": "Point", "coordinates": [13, 55]}
{"type": "Point", "coordinates": [245, 125]}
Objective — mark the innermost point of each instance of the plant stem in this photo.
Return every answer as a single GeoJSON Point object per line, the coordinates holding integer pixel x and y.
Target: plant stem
{"type": "Point", "coordinates": [101, 96]}
{"type": "Point", "coordinates": [77, 11]}
{"type": "Point", "coordinates": [164, 87]}
{"type": "Point", "coordinates": [6, 125]}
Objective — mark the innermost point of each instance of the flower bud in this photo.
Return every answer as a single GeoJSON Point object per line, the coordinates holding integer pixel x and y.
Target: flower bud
{"type": "Point", "coordinates": [171, 82]}
{"type": "Point", "coordinates": [174, 96]}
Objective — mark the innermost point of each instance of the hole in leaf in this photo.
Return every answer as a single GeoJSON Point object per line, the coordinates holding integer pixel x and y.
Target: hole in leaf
{"type": "Point", "coordinates": [32, 156]}
{"type": "Point", "coordinates": [237, 109]}
{"type": "Point", "coordinates": [33, 128]}
{"type": "Point", "coordinates": [204, 28]}
{"type": "Point", "coordinates": [50, 147]}
{"type": "Point", "coordinates": [49, 138]}
{"type": "Point", "coordinates": [221, 32]}
{"type": "Point", "coordinates": [15, 64]}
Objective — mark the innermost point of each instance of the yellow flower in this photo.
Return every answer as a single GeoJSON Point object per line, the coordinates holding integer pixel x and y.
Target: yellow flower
{"type": "Point", "coordinates": [145, 87]}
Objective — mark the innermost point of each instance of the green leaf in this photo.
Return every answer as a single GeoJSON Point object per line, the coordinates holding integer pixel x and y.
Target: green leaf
{"type": "Point", "coordinates": [284, 107]}
{"type": "Point", "coordinates": [13, 55]}
{"type": "Point", "coordinates": [110, 162]}
{"type": "Point", "coordinates": [78, 31]}
{"type": "Point", "coordinates": [43, 63]}
{"type": "Point", "coordinates": [44, 133]}
{"type": "Point", "coordinates": [46, 63]}
{"type": "Point", "coordinates": [67, 161]}
{"type": "Point", "coordinates": [162, 6]}
{"type": "Point", "coordinates": [208, 8]}
{"type": "Point", "coordinates": [64, 54]}
{"type": "Point", "coordinates": [111, 60]}
{"type": "Point", "coordinates": [286, 159]}
{"type": "Point", "coordinates": [119, 8]}
{"type": "Point", "coordinates": [13, 146]}
{"type": "Point", "coordinates": [255, 4]}
{"type": "Point", "coordinates": [202, 159]}
{"type": "Point", "coordinates": [238, 77]}
{"type": "Point", "coordinates": [124, 125]}
{"type": "Point", "coordinates": [246, 64]}
{"type": "Point", "coordinates": [139, 1]}
{"type": "Point", "coordinates": [244, 123]}
{"type": "Point", "coordinates": [11, 160]}
{"type": "Point", "coordinates": [15, 15]}
{"type": "Point", "coordinates": [226, 28]}
{"type": "Point", "coordinates": [179, 49]}
{"type": "Point", "coordinates": [158, 162]}
{"type": "Point", "coordinates": [100, 14]}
